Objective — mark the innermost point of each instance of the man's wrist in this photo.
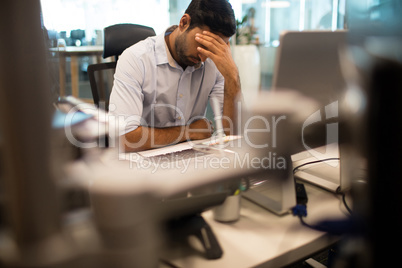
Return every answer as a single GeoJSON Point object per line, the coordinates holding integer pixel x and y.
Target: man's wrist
{"type": "Point", "coordinates": [233, 76]}
{"type": "Point", "coordinates": [232, 86]}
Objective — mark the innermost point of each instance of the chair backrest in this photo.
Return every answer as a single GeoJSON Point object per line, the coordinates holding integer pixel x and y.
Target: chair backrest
{"type": "Point", "coordinates": [116, 39]}
{"type": "Point", "coordinates": [100, 91]}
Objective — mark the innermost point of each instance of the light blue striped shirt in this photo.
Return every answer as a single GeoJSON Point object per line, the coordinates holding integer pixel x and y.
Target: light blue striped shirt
{"type": "Point", "coordinates": [151, 89]}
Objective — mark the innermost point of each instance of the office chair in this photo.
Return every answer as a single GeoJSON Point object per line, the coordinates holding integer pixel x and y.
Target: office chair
{"type": "Point", "coordinates": [117, 38]}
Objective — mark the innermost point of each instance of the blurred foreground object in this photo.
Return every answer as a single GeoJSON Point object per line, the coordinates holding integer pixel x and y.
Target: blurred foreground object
{"type": "Point", "coordinates": [36, 233]}
{"type": "Point", "coordinates": [375, 90]}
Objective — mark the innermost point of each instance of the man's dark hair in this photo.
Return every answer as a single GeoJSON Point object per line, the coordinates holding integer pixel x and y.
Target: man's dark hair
{"type": "Point", "coordinates": [218, 15]}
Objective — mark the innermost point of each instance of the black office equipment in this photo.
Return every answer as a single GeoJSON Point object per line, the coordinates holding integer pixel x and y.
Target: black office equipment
{"type": "Point", "coordinates": [183, 227]}
{"type": "Point", "coordinates": [375, 46]}
{"type": "Point", "coordinates": [184, 219]}
{"type": "Point", "coordinates": [301, 194]}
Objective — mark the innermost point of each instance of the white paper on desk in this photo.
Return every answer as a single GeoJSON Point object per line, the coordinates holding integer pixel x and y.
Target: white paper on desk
{"type": "Point", "coordinates": [215, 140]}
{"type": "Point", "coordinates": [168, 149]}
{"type": "Point", "coordinates": [174, 148]}
{"type": "Point", "coordinates": [185, 146]}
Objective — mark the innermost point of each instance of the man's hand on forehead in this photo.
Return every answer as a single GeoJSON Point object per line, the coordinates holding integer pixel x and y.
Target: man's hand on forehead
{"type": "Point", "coordinates": [209, 36]}
{"type": "Point", "coordinates": [217, 48]}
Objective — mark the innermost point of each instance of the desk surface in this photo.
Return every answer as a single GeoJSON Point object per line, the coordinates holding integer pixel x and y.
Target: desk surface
{"type": "Point", "coordinates": [83, 50]}
{"type": "Point", "coordinates": [258, 239]}
{"type": "Point", "coordinates": [261, 238]}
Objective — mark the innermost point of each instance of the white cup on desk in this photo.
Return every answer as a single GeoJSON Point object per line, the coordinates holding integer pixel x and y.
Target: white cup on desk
{"type": "Point", "coordinates": [61, 44]}
{"type": "Point", "coordinates": [229, 210]}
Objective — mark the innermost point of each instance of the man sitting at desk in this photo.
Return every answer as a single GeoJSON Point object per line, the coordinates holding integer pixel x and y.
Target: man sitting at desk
{"type": "Point", "coordinates": [162, 84]}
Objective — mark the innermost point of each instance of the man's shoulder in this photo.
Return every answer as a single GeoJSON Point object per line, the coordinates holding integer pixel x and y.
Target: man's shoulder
{"type": "Point", "coordinates": [141, 48]}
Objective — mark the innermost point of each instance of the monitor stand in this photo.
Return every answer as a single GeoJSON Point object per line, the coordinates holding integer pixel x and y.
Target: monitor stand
{"type": "Point", "coordinates": [181, 228]}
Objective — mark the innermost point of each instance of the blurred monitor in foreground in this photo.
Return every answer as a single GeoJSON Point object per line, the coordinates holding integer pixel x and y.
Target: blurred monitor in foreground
{"type": "Point", "coordinates": [375, 44]}
{"type": "Point", "coordinates": [310, 62]}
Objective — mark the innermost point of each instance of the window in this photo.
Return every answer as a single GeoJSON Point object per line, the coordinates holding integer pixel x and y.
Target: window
{"type": "Point", "coordinates": [64, 16]}
{"type": "Point", "coordinates": [271, 17]}
{"type": "Point", "coordinates": [81, 22]}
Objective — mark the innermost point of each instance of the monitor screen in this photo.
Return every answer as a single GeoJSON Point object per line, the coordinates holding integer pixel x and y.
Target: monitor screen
{"type": "Point", "coordinates": [309, 62]}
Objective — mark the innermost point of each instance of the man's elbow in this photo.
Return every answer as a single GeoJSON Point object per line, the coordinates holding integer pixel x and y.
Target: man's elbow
{"type": "Point", "coordinates": [133, 141]}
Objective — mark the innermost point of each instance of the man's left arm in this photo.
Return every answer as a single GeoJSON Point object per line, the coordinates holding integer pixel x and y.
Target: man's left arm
{"type": "Point", "coordinates": [215, 48]}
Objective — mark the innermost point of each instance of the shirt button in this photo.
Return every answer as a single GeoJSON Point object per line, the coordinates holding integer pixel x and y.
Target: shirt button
{"type": "Point", "coordinates": [181, 95]}
{"type": "Point", "coordinates": [179, 117]}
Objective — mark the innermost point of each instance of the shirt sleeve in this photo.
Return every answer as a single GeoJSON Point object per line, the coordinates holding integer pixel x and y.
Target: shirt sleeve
{"type": "Point", "coordinates": [218, 90]}
{"type": "Point", "coordinates": [126, 98]}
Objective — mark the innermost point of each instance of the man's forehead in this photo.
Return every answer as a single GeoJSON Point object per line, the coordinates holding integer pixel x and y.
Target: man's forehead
{"type": "Point", "coordinates": [206, 28]}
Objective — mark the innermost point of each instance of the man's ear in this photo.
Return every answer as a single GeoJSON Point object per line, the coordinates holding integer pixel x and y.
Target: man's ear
{"type": "Point", "coordinates": [184, 22]}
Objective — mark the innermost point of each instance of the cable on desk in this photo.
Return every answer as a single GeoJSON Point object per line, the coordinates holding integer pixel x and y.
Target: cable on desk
{"type": "Point", "coordinates": [301, 194]}
{"type": "Point", "coordinates": [336, 227]}
{"type": "Point", "coordinates": [344, 200]}
{"type": "Point", "coordinates": [300, 210]}
{"type": "Point", "coordinates": [314, 162]}
{"type": "Point", "coordinates": [338, 190]}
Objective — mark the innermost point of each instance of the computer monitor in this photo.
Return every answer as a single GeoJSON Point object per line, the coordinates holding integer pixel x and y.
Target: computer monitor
{"type": "Point", "coordinates": [310, 63]}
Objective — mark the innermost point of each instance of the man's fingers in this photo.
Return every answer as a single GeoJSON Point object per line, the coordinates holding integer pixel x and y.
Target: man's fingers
{"type": "Point", "coordinates": [207, 42]}
{"type": "Point", "coordinates": [214, 37]}
{"type": "Point", "coordinates": [206, 53]}
{"type": "Point", "coordinates": [210, 40]}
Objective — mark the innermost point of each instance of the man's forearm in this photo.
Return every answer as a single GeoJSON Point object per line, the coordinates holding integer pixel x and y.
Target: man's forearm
{"type": "Point", "coordinates": [144, 138]}
{"type": "Point", "coordinates": [232, 92]}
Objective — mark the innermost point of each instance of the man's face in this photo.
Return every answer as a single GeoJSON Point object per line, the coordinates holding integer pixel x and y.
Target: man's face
{"type": "Point", "coordinates": [186, 47]}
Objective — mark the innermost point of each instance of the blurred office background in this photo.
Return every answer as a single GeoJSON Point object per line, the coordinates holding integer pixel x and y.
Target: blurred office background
{"type": "Point", "coordinates": [81, 23]}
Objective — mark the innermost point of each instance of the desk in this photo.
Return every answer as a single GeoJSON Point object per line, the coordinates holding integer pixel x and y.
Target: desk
{"type": "Point", "coordinates": [74, 53]}
{"type": "Point", "coordinates": [262, 239]}
{"type": "Point", "coordinates": [258, 239]}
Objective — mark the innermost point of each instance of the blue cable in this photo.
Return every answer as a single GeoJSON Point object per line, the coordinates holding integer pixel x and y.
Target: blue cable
{"type": "Point", "coordinates": [335, 227]}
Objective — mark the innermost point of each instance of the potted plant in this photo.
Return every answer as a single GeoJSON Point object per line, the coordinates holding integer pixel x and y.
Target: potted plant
{"type": "Point", "coordinates": [245, 30]}
{"type": "Point", "coordinates": [247, 56]}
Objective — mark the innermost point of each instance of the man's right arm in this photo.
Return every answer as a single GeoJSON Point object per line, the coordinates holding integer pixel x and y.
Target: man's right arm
{"type": "Point", "coordinates": [144, 138]}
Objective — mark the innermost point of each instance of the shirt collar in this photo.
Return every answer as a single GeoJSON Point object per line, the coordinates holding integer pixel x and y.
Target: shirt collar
{"type": "Point", "coordinates": [170, 58]}
{"type": "Point", "coordinates": [161, 50]}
